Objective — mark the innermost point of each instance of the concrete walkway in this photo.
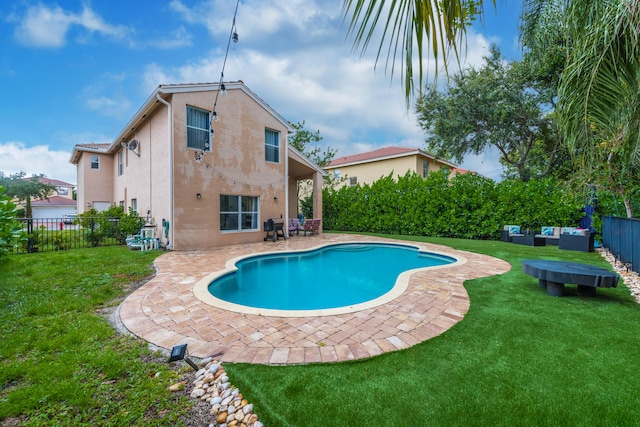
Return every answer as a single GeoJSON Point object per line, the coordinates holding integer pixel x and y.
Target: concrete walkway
{"type": "Point", "coordinates": [166, 311]}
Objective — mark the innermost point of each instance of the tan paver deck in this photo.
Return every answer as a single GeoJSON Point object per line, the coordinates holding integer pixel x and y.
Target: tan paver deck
{"type": "Point", "coordinates": [166, 312]}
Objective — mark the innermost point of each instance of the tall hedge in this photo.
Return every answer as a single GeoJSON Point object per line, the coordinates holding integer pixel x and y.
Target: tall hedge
{"type": "Point", "coordinates": [466, 206]}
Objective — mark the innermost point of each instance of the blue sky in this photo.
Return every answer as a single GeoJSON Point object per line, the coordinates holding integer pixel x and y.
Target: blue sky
{"type": "Point", "coordinates": [76, 71]}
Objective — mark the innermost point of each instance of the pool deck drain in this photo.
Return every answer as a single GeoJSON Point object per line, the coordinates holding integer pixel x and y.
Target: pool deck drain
{"type": "Point", "coordinates": [166, 312]}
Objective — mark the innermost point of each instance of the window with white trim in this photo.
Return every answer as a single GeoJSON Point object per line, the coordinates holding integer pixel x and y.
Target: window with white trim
{"type": "Point", "coordinates": [120, 162]}
{"type": "Point", "coordinates": [272, 146]}
{"type": "Point", "coordinates": [353, 181]}
{"type": "Point", "coordinates": [425, 169]}
{"type": "Point", "coordinates": [198, 129]}
{"type": "Point", "coordinates": [336, 174]}
{"type": "Point", "coordinates": [239, 213]}
{"type": "Point", "coordinates": [134, 205]}
{"type": "Point", "coordinates": [95, 162]}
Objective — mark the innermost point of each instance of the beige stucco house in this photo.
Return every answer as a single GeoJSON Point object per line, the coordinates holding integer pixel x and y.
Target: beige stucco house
{"type": "Point", "coordinates": [366, 168]}
{"type": "Point", "coordinates": [206, 176]}
{"type": "Point", "coordinates": [59, 203]}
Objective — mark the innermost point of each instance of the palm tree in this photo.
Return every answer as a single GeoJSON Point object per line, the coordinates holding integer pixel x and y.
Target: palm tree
{"type": "Point", "coordinates": [410, 27]}
{"type": "Point", "coordinates": [598, 103]}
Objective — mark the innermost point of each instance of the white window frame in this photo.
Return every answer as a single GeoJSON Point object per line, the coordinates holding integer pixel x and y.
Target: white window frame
{"type": "Point", "coordinates": [134, 205]}
{"type": "Point", "coordinates": [120, 162]}
{"type": "Point", "coordinates": [336, 174]}
{"type": "Point", "coordinates": [240, 214]}
{"type": "Point", "coordinates": [94, 162]}
{"type": "Point", "coordinates": [353, 181]}
{"type": "Point", "coordinates": [271, 145]}
{"type": "Point", "coordinates": [425, 168]}
{"type": "Point", "coordinates": [196, 130]}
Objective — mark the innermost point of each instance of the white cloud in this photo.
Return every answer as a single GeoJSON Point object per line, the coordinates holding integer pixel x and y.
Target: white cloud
{"type": "Point", "coordinates": [35, 160]}
{"type": "Point", "coordinates": [106, 97]}
{"type": "Point", "coordinates": [308, 71]}
{"type": "Point", "coordinates": [47, 27]}
{"type": "Point", "coordinates": [179, 37]}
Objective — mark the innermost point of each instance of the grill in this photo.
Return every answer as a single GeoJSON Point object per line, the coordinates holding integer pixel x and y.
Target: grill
{"type": "Point", "coordinates": [274, 229]}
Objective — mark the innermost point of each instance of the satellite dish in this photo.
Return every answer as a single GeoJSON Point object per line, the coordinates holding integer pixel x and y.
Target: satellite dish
{"type": "Point", "coordinates": [133, 145]}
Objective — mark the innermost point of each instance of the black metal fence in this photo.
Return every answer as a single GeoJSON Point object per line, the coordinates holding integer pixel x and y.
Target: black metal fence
{"type": "Point", "coordinates": [55, 234]}
{"type": "Point", "coordinates": [622, 237]}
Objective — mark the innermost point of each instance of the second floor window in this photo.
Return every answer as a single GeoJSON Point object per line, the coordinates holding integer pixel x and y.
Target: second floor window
{"type": "Point", "coordinates": [95, 162]}
{"type": "Point", "coordinates": [425, 169]}
{"type": "Point", "coordinates": [272, 146]}
{"type": "Point", "coordinates": [198, 126]}
{"type": "Point", "coordinates": [120, 162]}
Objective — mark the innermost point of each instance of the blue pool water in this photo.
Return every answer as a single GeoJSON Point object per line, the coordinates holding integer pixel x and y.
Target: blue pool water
{"type": "Point", "coordinates": [329, 277]}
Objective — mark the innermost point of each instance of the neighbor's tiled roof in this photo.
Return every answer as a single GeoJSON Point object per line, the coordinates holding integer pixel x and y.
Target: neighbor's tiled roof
{"type": "Point", "coordinates": [54, 182]}
{"type": "Point", "coordinates": [371, 155]}
{"type": "Point", "coordinates": [54, 201]}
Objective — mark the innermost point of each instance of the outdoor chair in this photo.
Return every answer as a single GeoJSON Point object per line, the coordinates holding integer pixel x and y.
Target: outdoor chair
{"type": "Point", "coordinates": [311, 225]}
{"type": "Point", "coordinates": [509, 231]}
{"type": "Point", "coordinates": [551, 235]}
{"type": "Point", "coordinates": [294, 226]}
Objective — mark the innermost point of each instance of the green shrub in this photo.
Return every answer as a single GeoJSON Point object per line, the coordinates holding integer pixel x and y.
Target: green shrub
{"type": "Point", "coordinates": [466, 206]}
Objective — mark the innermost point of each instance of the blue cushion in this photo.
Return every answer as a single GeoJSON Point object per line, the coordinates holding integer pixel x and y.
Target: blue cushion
{"type": "Point", "coordinates": [547, 231]}
{"type": "Point", "coordinates": [514, 229]}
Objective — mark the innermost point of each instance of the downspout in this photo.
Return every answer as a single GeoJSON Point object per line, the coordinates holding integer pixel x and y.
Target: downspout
{"type": "Point", "coordinates": [170, 139]}
{"type": "Point", "coordinates": [286, 185]}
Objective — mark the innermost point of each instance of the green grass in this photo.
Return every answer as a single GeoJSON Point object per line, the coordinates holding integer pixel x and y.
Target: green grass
{"type": "Point", "coordinates": [519, 358]}
{"type": "Point", "coordinates": [61, 363]}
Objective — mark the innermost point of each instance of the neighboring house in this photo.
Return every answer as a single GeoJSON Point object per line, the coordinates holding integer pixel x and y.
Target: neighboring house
{"type": "Point", "coordinates": [60, 202]}
{"type": "Point", "coordinates": [200, 187]}
{"type": "Point", "coordinates": [366, 168]}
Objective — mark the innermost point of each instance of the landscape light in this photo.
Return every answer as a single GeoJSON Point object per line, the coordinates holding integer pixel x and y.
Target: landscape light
{"type": "Point", "coordinates": [179, 352]}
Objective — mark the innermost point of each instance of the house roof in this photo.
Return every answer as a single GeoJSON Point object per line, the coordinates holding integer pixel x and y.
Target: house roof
{"type": "Point", "coordinates": [153, 102]}
{"type": "Point", "coordinates": [54, 201]}
{"type": "Point", "coordinates": [54, 182]}
{"type": "Point", "coordinates": [87, 148]}
{"type": "Point", "coordinates": [383, 154]}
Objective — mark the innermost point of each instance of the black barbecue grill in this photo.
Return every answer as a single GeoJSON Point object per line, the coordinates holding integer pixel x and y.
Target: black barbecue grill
{"type": "Point", "coordinates": [274, 229]}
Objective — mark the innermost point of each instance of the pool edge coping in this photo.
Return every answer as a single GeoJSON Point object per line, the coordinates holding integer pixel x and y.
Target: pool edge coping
{"type": "Point", "coordinates": [201, 292]}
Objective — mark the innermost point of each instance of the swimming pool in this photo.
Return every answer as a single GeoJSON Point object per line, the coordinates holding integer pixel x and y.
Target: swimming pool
{"type": "Point", "coordinates": [334, 277]}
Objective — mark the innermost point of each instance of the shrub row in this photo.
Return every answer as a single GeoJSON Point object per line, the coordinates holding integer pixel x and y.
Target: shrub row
{"type": "Point", "coordinates": [465, 206]}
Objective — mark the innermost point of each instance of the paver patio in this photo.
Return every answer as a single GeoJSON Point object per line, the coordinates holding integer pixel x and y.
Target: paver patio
{"type": "Point", "coordinates": [166, 312]}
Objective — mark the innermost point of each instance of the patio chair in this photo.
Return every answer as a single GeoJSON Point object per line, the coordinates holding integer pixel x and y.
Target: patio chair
{"type": "Point", "coordinates": [509, 231]}
{"type": "Point", "coordinates": [311, 225]}
{"type": "Point", "coordinates": [551, 235]}
{"type": "Point", "coordinates": [294, 226]}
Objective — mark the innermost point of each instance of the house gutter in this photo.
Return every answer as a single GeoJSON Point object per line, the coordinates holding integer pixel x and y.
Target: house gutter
{"type": "Point", "coordinates": [170, 139]}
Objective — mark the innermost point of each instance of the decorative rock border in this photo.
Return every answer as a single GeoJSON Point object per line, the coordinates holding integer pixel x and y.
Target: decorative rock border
{"type": "Point", "coordinates": [630, 278]}
{"type": "Point", "coordinates": [228, 407]}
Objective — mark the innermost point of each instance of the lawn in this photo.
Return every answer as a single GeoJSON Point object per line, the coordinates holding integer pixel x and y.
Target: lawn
{"type": "Point", "coordinates": [61, 363]}
{"type": "Point", "coordinates": [518, 358]}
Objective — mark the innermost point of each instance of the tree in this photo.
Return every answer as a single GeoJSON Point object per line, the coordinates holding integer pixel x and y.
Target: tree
{"type": "Point", "coordinates": [411, 25]}
{"type": "Point", "coordinates": [305, 141]}
{"type": "Point", "coordinates": [598, 107]}
{"type": "Point", "coordinates": [23, 189]}
{"type": "Point", "coordinates": [498, 105]}
{"type": "Point", "coordinates": [9, 227]}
